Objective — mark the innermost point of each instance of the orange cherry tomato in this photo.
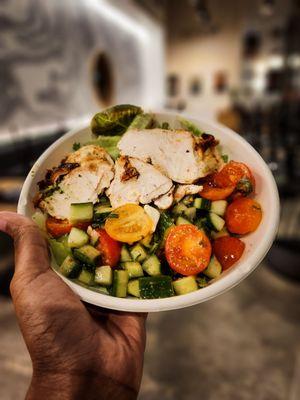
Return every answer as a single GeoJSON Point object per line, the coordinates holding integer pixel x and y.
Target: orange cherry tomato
{"type": "Point", "coordinates": [58, 227]}
{"type": "Point", "coordinates": [187, 249]}
{"type": "Point", "coordinates": [238, 175]}
{"type": "Point", "coordinates": [110, 249]}
{"type": "Point", "coordinates": [228, 250]}
{"type": "Point", "coordinates": [243, 216]}
{"type": "Point", "coordinates": [215, 193]}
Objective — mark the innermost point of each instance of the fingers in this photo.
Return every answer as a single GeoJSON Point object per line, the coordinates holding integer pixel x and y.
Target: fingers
{"type": "Point", "coordinates": [31, 253]}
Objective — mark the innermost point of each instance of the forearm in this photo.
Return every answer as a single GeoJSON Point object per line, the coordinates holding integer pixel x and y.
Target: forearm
{"type": "Point", "coordinates": [85, 386]}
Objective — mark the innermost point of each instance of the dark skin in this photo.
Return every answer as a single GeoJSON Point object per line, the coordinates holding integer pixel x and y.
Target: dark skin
{"type": "Point", "coordinates": [77, 351]}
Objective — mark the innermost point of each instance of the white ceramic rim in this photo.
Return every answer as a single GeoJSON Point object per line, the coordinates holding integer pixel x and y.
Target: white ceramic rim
{"type": "Point", "coordinates": [209, 292]}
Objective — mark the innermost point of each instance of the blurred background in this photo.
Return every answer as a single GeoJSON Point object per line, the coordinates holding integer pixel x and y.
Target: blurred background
{"type": "Point", "coordinates": [237, 62]}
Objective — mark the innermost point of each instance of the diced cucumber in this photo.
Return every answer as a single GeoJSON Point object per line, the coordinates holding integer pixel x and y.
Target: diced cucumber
{"type": "Point", "coordinates": [215, 222]}
{"type": "Point", "coordinates": [80, 212]}
{"type": "Point", "coordinates": [94, 236]}
{"type": "Point", "coordinates": [156, 287]}
{"type": "Point", "coordinates": [190, 213]}
{"type": "Point", "coordinates": [185, 285]}
{"type": "Point", "coordinates": [214, 268]}
{"type": "Point", "coordinates": [223, 232]}
{"type": "Point", "coordinates": [219, 207]}
{"type": "Point", "coordinates": [120, 283]}
{"type": "Point", "coordinates": [138, 253]}
{"type": "Point", "coordinates": [125, 255]}
{"type": "Point", "coordinates": [147, 241]}
{"type": "Point", "coordinates": [133, 288]}
{"type": "Point", "coordinates": [179, 209]}
{"type": "Point", "coordinates": [202, 204]}
{"type": "Point", "coordinates": [202, 281]}
{"type": "Point", "coordinates": [101, 289]}
{"type": "Point", "coordinates": [102, 209]}
{"type": "Point", "coordinates": [87, 254]}
{"type": "Point", "coordinates": [40, 219]}
{"type": "Point", "coordinates": [152, 265]}
{"type": "Point", "coordinates": [182, 221]}
{"type": "Point", "coordinates": [70, 267]}
{"type": "Point", "coordinates": [77, 238]}
{"type": "Point", "coordinates": [64, 240]}
{"type": "Point", "coordinates": [134, 269]}
{"type": "Point", "coordinates": [59, 251]}
{"type": "Point", "coordinates": [104, 275]}
{"type": "Point", "coordinates": [86, 277]}
{"type": "Point", "coordinates": [188, 200]}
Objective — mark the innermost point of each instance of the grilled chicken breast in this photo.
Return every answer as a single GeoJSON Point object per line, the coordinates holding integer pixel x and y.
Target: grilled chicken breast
{"type": "Point", "coordinates": [136, 182]}
{"type": "Point", "coordinates": [91, 173]}
{"type": "Point", "coordinates": [165, 201]}
{"type": "Point", "coordinates": [184, 190]}
{"type": "Point", "coordinates": [176, 153]}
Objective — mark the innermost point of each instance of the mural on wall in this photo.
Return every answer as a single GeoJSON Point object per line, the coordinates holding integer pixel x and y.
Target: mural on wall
{"type": "Point", "coordinates": [47, 62]}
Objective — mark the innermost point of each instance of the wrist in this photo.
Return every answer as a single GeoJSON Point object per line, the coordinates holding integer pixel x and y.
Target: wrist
{"type": "Point", "coordinates": [84, 385]}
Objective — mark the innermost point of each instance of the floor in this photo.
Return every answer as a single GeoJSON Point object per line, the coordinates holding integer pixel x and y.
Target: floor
{"type": "Point", "coordinates": [243, 345]}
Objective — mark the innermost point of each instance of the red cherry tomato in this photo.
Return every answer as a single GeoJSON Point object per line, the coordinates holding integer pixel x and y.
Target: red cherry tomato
{"type": "Point", "coordinates": [58, 227]}
{"type": "Point", "coordinates": [228, 250]}
{"type": "Point", "coordinates": [243, 216]}
{"type": "Point", "coordinates": [215, 193]}
{"type": "Point", "coordinates": [236, 174]}
{"type": "Point", "coordinates": [110, 249]}
{"type": "Point", "coordinates": [187, 249]}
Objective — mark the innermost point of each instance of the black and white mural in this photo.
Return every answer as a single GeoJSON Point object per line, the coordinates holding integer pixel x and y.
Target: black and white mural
{"type": "Point", "coordinates": [60, 61]}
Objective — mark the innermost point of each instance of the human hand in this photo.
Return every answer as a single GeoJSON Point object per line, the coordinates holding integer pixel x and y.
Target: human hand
{"type": "Point", "coordinates": [76, 353]}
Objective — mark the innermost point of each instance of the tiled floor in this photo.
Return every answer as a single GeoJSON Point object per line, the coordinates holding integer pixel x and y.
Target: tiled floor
{"type": "Point", "coordinates": [243, 345]}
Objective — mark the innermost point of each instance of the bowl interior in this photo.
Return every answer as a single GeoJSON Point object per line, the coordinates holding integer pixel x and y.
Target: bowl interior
{"type": "Point", "coordinates": [257, 243]}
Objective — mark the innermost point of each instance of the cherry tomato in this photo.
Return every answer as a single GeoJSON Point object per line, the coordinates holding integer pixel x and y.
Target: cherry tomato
{"type": "Point", "coordinates": [238, 175]}
{"type": "Point", "coordinates": [130, 225]}
{"type": "Point", "coordinates": [58, 227]}
{"type": "Point", "coordinates": [215, 193]}
{"type": "Point", "coordinates": [110, 249]}
{"type": "Point", "coordinates": [187, 249]}
{"type": "Point", "coordinates": [228, 250]}
{"type": "Point", "coordinates": [243, 216]}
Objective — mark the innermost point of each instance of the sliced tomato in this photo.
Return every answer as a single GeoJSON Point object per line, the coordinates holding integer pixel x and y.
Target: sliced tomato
{"type": "Point", "coordinates": [243, 216]}
{"type": "Point", "coordinates": [131, 223]}
{"type": "Point", "coordinates": [215, 193]}
{"type": "Point", "coordinates": [110, 249]}
{"type": "Point", "coordinates": [236, 174]}
{"type": "Point", "coordinates": [82, 225]}
{"type": "Point", "coordinates": [58, 227]}
{"type": "Point", "coordinates": [228, 250]}
{"type": "Point", "coordinates": [187, 249]}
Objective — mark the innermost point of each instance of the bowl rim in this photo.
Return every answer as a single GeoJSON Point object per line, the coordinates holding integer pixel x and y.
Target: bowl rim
{"type": "Point", "coordinates": [209, 292]}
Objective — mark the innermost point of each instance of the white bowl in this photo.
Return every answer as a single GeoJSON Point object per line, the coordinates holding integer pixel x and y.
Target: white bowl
{"type": "Point", "coordinates": [257, 243]}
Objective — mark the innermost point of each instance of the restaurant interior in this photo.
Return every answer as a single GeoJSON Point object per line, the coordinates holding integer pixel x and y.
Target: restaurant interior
{"type": "Point", "coordinates": [236, 62]}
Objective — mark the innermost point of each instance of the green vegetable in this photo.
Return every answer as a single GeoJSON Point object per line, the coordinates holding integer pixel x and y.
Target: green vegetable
{"type": "Point", "coordinates": [190, 126]}
{"type": "Point", "coordinates": [86, 277]}
{"type": "Point", "coordinates": [182, 221]}
{"type": "Point", "coordinates": [104, 275]}
{"type": "Point", "coordinates": [164, 223]}
{"type": "Point", "coordinates": [133, 288]}
{"type": "Point", "coordinates": [109, 143]}
{"type": "Point", "coordinates": [77, 238]}
{"type": "Point", "coordinates": [156, 287]}
{"type": "Point", "coordinates": [185, 285]}
{"type": "Point", "coordinates": [214, 268]}
{"type": "Point", "coordinates": [87, 254]}
{"type": "Point", "coordinates": [179, 209]}
{"type": "Point", "coordinates": [138, 253]}
{"type": "Point", "coordinates": [133, 268]}
{"type": "Point", "coordinates": [102, 209]}
{"type": "Point", "coordinates": [99, 219]}
{"type": "Point", "coordinates": [225, 158]}
{"type": "Point", "coordinates": [147, 241]}
{"type": "Point", "coordinates": [219, 207]}
{"type": "Point", "coordinates": [165, 125]}
{"type": "Point", "coordinates": [202, 204]}
{"type": "Point", "coordinates": [152, 265]}
{"type": "Point", "coordinates": [80, 212]}
{"type": "Point", "coordinates": [59, 251]}
{"type": "Point", "coordinates": [223, 232]}
{"type": "Point", "coordinates": [215, 222]}
{"type": "Point", "coordinates": [244, 186]}
{"type": "Point", "coordinates": [202, 281]}
{"type": "Point", "coordinates": [190, 213]}
{"type": "Point", "coordinates": [114, 120]}
{"type": "Point", "coordinates": [120, 283]}
{"type": "Point", "coordinates": [76, 146]}
{"type": "Point", "coordinates": [125, 255]}
{"type": "Point", "coordinates": [40, 219]}
{"type": "Point", "coordinates": [141, 121]}
{"type": "Point", "coordinates": [70, 267]}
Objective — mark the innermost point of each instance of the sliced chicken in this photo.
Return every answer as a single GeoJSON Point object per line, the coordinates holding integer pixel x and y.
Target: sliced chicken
{"type": "Point", "coordinates": [175, 153]}
{"type": "Point", "coordinates": [165, 201]}
{"type": "Point", "coordinates": [184, 190]}
{"type": "Point", "coordinates": [92, 175]}
{"type": "Point", "coordinates": [136, 182]}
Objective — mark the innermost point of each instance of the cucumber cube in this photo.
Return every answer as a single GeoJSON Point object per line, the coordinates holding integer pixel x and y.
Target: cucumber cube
{"type": "Point", "coordinates": [125, 255]}
{"type": "Point", "coordinates": [138, 253]}
{"type": "Point", "coordinates": [214, 268]}
{"type": "Point", "coordinates": [133, 288]}
{"type": "Point", "coordinates": [219, 207]}
{"type": "Point", "coordinates": [85, 277]}
{"type": "Point", "coordinates": [152, 265]}
{"type": "Point", "coordinates": [59, 251]}
{"type": "Point", "coordinates": [156, 287]}
{"type": "Point", "coordinates": [104, 275]}
{"type": "Point", "coordinates": [77, 238]}
{"type": "Point", "coordinates": [185, 285]}
{"type": "Point", "coordinates": [120, 282]}
{"type": "Point", "coordinates": [87, 254]}
{"type": "Point", "coordinates": [80, 212]}
{"type": "Point", "coordinates": [70, 267]}
{"type": "Point", "coordinates": [134, 269]}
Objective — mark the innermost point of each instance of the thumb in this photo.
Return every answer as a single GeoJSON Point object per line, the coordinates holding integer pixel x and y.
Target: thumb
{"type": "Point", "coordinates": [31, 252]}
